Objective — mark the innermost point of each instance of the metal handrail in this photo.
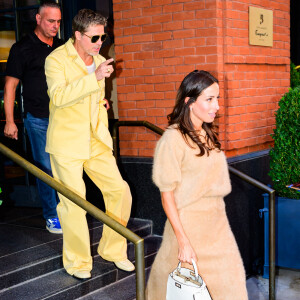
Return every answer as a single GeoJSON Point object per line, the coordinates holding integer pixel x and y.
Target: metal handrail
{"type": "Point", "coordinates": [93, 211]}
{"type": "Point", "coordinates": [116, 126]}
{"type": "Point", "coordinates": [271, 193]}
{"type": "Point", "coordinates": [234, 171]}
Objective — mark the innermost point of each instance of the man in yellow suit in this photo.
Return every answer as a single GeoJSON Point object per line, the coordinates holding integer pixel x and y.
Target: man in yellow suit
{"type": "Point", "coordinates": [78, 139]}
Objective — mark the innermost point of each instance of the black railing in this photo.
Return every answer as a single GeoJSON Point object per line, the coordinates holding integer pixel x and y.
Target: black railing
{"type": "Point", "coordinates": [234, 171]}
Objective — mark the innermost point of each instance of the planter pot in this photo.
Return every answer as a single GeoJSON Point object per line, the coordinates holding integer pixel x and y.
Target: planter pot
{"type": "Point", "coordinates": [287, 233]}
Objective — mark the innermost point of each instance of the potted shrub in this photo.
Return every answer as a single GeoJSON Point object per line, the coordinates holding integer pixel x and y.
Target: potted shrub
{"type": "Point", "coordinates": [295, 75]}
{"type": "Point", "coordinates": [285, 156]}
{"type": "Point", "coordinates": [285, 170]}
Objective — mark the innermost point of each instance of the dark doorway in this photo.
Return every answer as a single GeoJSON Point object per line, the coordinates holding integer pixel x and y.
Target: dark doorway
{"type": "Point", "coordinates": [71, 8]}
{"type": "Point", "coordinates": [295, 32]}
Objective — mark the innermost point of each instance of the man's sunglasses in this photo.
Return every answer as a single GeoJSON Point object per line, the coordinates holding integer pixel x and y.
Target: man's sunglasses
{"type": "Point", "coordinates": [95, 38]}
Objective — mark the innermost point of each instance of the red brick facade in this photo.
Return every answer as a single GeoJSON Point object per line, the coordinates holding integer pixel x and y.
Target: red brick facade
{"type": "Point", "coordinates": [159, 41]}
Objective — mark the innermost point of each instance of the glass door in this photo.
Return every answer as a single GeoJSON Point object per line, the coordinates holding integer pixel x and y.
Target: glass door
{"type": "Point", "coordinates": [17, 18]}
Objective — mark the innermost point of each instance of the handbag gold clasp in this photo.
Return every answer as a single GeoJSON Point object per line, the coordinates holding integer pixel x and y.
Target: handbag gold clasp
{"type": "Point", "coordinates": [185, 278]}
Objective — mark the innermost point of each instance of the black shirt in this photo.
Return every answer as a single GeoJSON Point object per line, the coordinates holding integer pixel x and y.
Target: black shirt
{"type": "Point", "coordinates": [26, 62]}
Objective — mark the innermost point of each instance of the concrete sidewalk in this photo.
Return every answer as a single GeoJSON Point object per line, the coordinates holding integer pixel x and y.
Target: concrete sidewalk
{"type": "Point", "coordinates": [287, 286]}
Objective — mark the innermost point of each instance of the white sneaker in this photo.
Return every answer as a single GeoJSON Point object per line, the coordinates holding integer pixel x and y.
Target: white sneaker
{"type": "Point", "coordinates": [82, 274]}
{"type": "Point", "coordinates": [125, 265]}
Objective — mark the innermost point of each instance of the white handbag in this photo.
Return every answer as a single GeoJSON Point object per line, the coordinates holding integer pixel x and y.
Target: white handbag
{"type": "Point", "coordinates": [185, 284]}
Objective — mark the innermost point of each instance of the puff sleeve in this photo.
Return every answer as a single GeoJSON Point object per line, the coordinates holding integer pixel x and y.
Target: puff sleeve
{"type": "Point", "coordinates": [168, 158]}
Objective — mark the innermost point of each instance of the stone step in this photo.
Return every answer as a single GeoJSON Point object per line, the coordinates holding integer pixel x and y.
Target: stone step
{"type": "Point", "coordinates": [45, 257]}
{"type": "Point", "coordinates": [124, 289]}
{"type": "Point", "coordinates": [59, 285]}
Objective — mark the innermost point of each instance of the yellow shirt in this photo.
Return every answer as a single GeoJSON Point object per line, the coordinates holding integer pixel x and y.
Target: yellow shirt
{"type": "Point", "coordinates": [76, 104]}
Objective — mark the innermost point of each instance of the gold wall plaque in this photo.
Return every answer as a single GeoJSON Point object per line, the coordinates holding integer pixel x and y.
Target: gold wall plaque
{"type": "Point", "coordinates": [260, 26]}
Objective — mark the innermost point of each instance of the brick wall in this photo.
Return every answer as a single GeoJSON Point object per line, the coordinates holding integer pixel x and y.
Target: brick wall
{"type": "Point", "coordinates": [158, 42]}
{"type": "Point", "coordinates": [255, 77]}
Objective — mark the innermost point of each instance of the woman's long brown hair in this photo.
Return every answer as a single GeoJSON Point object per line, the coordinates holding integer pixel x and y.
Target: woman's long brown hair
{"type": "Point", "coordinates": [192, 86]}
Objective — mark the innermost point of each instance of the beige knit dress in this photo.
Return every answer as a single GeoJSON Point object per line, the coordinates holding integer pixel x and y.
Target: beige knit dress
{"type": "Point", "coordinates": [199, 185]}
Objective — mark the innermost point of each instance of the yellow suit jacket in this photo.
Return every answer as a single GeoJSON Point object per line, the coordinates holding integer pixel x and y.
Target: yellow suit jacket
{"type": "Point", "coordinates": [76, 104]}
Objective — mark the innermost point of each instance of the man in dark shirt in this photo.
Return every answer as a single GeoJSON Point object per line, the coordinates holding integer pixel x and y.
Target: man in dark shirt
{"type": "Point", "coordinates": [26, 64]}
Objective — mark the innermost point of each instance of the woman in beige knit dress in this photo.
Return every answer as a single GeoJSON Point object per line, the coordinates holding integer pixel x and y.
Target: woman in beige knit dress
{"type": "Point", "coordinates": [191, 172]}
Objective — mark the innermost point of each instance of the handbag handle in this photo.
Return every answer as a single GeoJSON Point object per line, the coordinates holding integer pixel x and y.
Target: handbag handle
{"type": "Point", "coordinates": [194, 266]}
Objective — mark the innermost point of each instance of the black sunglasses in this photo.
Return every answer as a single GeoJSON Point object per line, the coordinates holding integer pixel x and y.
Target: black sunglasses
{"type": "Point", "coordinates": [95, 38]}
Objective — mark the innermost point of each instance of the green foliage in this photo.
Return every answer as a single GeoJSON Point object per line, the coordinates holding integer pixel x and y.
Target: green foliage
{"type": "Point", "coordinates": [295, 76]}
{"type": "Point", "coordinates": [285, 156]}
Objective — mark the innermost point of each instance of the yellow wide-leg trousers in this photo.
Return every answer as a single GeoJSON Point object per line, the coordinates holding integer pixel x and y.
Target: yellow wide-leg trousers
{"type": "Point", "coordinates": [101, 167]}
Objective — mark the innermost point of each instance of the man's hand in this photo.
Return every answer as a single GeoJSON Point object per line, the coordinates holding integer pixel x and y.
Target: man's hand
{"type": "Point", "coordinates": [107, 106]}
{"type": "Point", "coordinates": [104, 69]}
{"type": "Point", "coordinates": [11, 130]}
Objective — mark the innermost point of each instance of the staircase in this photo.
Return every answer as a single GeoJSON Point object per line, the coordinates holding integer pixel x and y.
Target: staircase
{"type": "Point", "coordinates": [31, 263]}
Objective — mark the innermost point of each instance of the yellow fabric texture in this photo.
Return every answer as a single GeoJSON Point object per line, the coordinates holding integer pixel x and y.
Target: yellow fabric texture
{"type": "Point", "coordinates": [76, 104]}
{"type": "Point", "coordinates": [78, 139]}
{"type": "Point", "coordinates": [102, 169]}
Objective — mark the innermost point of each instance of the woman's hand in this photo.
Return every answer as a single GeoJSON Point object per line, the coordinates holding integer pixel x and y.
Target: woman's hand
{"type": "Point", "coordinates": [186, 252]}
